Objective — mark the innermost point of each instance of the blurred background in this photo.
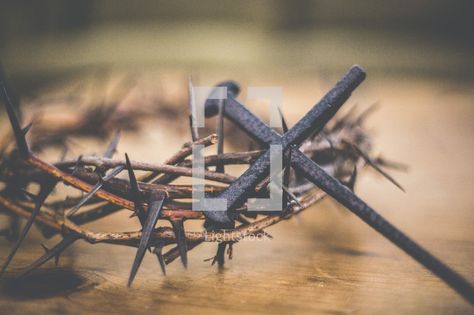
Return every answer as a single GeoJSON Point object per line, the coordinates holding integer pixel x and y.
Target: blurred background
{"type": "Point", "coordinates": [425, 37]}
{"type": "Point", "coordinates": [419, 56]}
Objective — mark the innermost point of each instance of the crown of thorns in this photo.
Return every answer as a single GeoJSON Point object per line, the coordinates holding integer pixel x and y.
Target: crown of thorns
{"type": "Point", "coordinates": [319, 158]}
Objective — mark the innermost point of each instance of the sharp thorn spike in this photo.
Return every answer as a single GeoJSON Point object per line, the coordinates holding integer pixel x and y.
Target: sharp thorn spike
{"type": "Point", "coordinates": [343, 120]}
{"type": "Point", "coordinates": [78, 164]}
{"type": "Point", "coordinates": [53, 252]}
{"type": "Point", "coordinates": [112, 148]}
{"type": "Point", "coordinates": [12, 94]}
{"type": "Point", "coordinates": [115, 171]}
{"type": "Point", "coordinates": [331, 145]}
{"type": "Point", "coordinates": [366, 113]}
{"type": "Point", "coordinates": [171, 255]}
{"type": "Point", "coordinates": [135, 192]}
{"type": "Point", "coordinates": [230, 251]}
{"type": "Point", "coordinates": [220, 134]}
{"type": "Point", "coordinates": [56, 259]}
{"type": "Point", "coordinates": [192, 111]}
{"type": "Point", "coordinates": [155, 205]}
{"type": "Point", "coordinates": [292, 196]}
{"type": "Point", "coordinates": [27, 128]}
{"type": "Point", "coordinates": [369, 161]}
{"type": "Point", "coordinates": [64, 152]}
{"type": "Point", "coordinates": [220, 255]}
{"type": "Point", "coordinates": [46, 249]}
{"type": "Point", "coordinates": [283, 121]}
{"type": "Point", "coordinates": [178, 228]}
{"type": "Point", "coordinates": [94, 189]}
{"type": "Point", "coordinates": [286, 174]}
{"type": "Point", "coordinates": [351, 182]}
{"type": "Point", "coordinates": [159, 255]}
{"type": "Point", "coordinates": [383, 162]}
{"type": "Point", "coordinates": [85, 199]}
{"type": "Point", "coordinates": [46, 189]}
{"type": "Point", "coordinates": [17, 131]}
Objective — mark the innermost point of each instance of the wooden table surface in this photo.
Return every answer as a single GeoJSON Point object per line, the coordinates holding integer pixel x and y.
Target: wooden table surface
{"type": "Point", "coordinates": [326, 261]}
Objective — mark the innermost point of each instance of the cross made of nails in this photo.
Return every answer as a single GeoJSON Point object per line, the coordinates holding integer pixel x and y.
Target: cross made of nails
{"type": "Point", "coordinates": [313, 122]}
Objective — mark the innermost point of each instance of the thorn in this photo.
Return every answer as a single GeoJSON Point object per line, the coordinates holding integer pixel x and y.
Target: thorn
{"type": "Point", "coordinates": [292, 196]}
{"type": "Point", "coordinates": [381, 161]}
{"type": "Point", "coordinates": [220, 255]}
{"type": "Point", "coordinates": [47, 250]}
{"type": "Point", "coordinates": [135, 192]}
{"type": "Point", "coordinates": [220, 134]}
{"type": "Point", "coordinates": [159, 254]}
{"type": "Point", "coordinates": [112, 148]}
{"type": "Point", "coordinates": [351, 182]}
{"type": "Point", "coordinates": [56, 259]}
{"type": "Point", "coordinates": [13, 95]}
{"type": "Point", "coordinates": [369, 161]}
{"type": "Point", "coordinates": [331, 144]}
{"type": "Point", "coordinates": [139, 211]}
{"type": "Point", "coordinates": [268, 235]}
{"type": "Point", "coordinates": [283, 121]}
{"type": "Point", "coordinates": [27, 128]}
{"type": "Point", "coordinates": [45, 190]}
{"type": "Point", "coordinates": [50, 253]}
{"type": "Point", "coordinates": [230, 251]}
{"type": "Point", "coordinates": [96, 188]}
{"type": "Point", "coordinates": [286, 172]}
{"type": "Point", "coordinates": [192, 111]}
{"type": "Point", "coordinates": [156, 203]}
{"type": "Point", "coordinates": [17, 131]}
{"type": "Point", "coordinates": [343, 120]}
{"type": "Point", "coordinates": [178, 228]}
{"type": "Point", "coordinates": [78, 163]}
{"type": "Point", "coordinates": [366, 113]}
{"type": "Point", "coordinates": [64, 152]}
